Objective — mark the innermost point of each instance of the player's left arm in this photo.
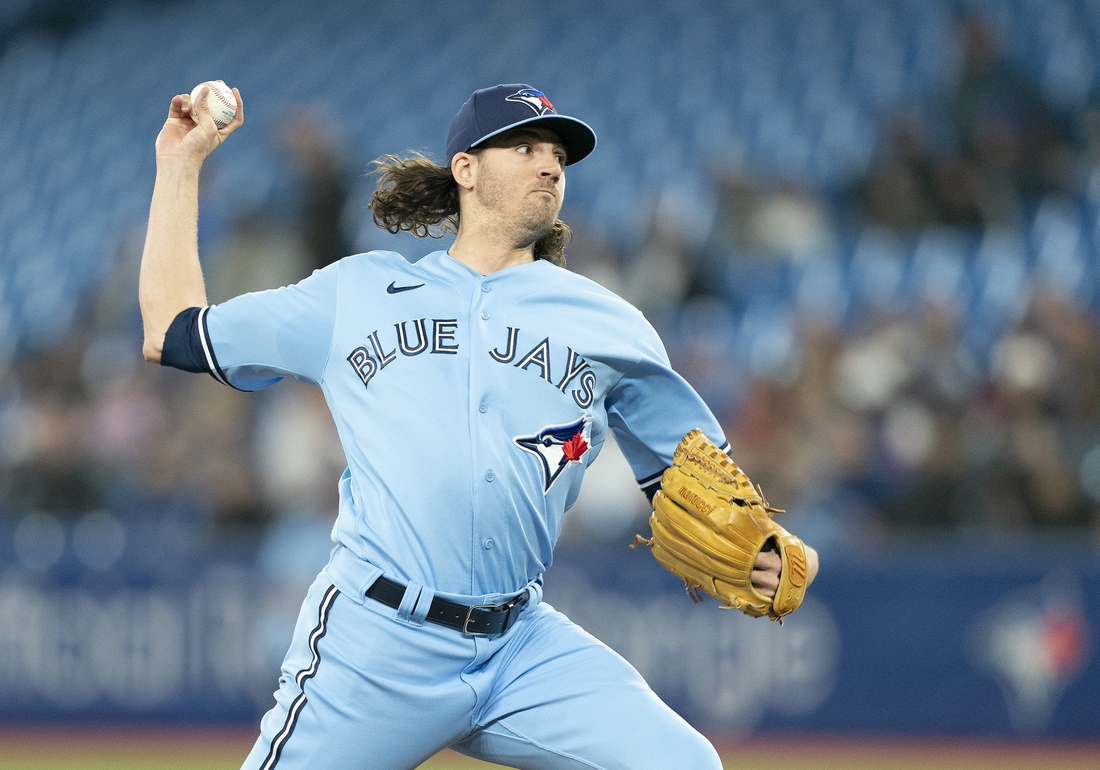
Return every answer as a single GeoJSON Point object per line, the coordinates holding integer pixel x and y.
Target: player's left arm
{"type": "Point", "coordinates": [650, 409]}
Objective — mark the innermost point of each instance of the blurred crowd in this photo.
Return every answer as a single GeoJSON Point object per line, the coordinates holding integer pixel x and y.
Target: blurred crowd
{"type": "Point", "coordinates": [895, 422]}
{"type": "Point", "coordinates": [978, 154]}
{"type": "Point", "coordinates": [887, 423]}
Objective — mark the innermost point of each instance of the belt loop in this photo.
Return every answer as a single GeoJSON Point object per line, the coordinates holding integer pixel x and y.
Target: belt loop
{"type": "Point", "coordinates": [423, 604]}
{"type": "Point", "coordinates": [534, 592]}
{"type": "Point", "coordinates": [408, 604]}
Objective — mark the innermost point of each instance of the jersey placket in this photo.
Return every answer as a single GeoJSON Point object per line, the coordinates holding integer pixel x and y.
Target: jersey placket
{"type": "Point", "coordinates": [486, 482]}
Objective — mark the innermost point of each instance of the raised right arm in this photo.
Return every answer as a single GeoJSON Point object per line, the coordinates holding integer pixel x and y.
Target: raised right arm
{"type": "Point", "coordinates": [171, 277]}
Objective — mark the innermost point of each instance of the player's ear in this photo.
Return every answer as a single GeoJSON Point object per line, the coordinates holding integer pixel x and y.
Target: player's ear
{"type": "Point", "coordinates": [464, 169]}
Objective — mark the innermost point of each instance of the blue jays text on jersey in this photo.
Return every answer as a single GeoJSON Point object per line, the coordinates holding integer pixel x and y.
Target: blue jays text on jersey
{"type": "Point", "coordinates": [468, 406]}
{"type": "Point", "coordinates": [412, 338]}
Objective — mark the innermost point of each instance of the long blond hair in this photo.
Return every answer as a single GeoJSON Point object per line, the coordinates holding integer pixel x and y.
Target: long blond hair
{"type": "Point", "coordinates": [416, 195]}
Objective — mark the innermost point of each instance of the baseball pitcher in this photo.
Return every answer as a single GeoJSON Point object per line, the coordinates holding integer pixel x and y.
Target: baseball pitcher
{"type": "Point", "coordinates": [471, 389]}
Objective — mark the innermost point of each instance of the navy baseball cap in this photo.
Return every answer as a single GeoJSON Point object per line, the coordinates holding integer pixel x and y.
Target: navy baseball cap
{"type": "Point", "coordinates": [492, 111]}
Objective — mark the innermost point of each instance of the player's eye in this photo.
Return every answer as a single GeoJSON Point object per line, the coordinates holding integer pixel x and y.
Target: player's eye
{"type": "Point", "coordinates": [524, 148]}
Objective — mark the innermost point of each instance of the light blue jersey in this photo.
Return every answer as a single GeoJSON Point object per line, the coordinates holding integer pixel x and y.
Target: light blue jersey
{"type": "Point", "coordinates": [469, 406]}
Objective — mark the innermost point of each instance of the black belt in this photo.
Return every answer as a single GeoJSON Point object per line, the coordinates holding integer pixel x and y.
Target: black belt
{"type": "Point", "coordinates": [471, 620]}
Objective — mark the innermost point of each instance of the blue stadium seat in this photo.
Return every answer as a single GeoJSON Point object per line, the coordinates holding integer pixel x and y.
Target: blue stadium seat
{"type": "Point", "coordinates": [877, 271]}
{"type": "Point", "coordinates": [940, 269]}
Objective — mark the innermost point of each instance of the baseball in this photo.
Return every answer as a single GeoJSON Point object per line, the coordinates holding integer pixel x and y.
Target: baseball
{"type": "Point", "coordinates": [220, 101]}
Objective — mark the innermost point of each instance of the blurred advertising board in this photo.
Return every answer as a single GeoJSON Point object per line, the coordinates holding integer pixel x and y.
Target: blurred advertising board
{"type": "Point", "coordinates": [916, 641]}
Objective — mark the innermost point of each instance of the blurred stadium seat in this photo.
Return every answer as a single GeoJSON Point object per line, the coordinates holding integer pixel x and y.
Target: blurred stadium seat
{"type": "Point", "coordinates": [802, 85]}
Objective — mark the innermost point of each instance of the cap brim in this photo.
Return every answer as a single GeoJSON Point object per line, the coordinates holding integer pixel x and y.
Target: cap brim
{"type": "Point", "coordinates": [577, 136]}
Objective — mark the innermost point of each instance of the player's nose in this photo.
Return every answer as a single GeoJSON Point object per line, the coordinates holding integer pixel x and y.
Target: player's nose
{"type": "Point", "coordinates": [551, 166]}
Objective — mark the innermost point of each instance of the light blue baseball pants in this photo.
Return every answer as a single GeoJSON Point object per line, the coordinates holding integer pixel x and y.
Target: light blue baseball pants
{"type": "Point", "coordinates": [365, 687]}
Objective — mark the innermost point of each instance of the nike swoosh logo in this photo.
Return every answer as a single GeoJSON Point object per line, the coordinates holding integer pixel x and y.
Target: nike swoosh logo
{"type": "Point", "coordinates": [394, 289]}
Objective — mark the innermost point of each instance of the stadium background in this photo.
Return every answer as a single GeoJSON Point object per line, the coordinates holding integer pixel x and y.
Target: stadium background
{"type": "Point", "coordinates": [867, 230]}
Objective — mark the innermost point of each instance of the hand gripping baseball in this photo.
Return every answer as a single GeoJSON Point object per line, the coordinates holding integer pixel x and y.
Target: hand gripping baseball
{"type": "Point", "coordinates": [190, 131]}
{"type": "Point", "coordinates": [710, 525]}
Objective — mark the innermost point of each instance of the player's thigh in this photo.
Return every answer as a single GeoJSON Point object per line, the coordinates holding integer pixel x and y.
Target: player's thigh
{"type": "Point", "coordinates": [360, 691]}
{"type": "Point", "coordinates": [565, 701]}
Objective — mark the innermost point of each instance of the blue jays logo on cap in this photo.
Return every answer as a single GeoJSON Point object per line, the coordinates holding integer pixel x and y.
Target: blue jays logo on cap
{"type": "Point", "coordinates": [556, 446]}
{"type": "Point", "coordinates": [536, 100]}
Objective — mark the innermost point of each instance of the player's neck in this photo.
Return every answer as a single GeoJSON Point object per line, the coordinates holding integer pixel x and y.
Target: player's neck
{"type": "Point", "coordinates": [486, 254]}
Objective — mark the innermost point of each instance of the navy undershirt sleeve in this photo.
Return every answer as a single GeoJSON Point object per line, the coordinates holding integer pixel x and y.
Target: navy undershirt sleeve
{"type": "Point", "coordinates": [182, 346]}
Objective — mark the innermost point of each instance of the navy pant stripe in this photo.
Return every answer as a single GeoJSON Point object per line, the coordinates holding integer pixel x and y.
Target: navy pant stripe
{"type": "Point", "coordinates": [301, 677]}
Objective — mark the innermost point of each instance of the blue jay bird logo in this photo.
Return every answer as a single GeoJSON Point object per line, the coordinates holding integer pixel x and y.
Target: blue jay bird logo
{"type": "Point", "coordinates": [536, 100]}
{"type": "Point", "coordinates": [556, 446]}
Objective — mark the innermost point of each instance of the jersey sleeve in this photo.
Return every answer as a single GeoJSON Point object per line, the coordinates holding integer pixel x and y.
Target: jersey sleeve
{"type": "Point", "coordinates": [651, 408]}
{"type": "Point", "coordinates": [256, 339]}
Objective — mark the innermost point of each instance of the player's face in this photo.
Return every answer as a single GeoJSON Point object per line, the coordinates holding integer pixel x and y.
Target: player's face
{"type": "Point", "coordinates": [521, 180]}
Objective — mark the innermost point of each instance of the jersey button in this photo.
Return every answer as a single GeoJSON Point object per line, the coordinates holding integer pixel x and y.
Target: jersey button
{"type": "Point", "coordinates": [485, 315]}
{"type": "Point", "coordinates": [483, 407]}
{"type": "Point", "coordinates": [486, 288]}
{"type": "Point", "coordinates": [489, 544]}
{"type": "Point", "coordinates": [490, 476]}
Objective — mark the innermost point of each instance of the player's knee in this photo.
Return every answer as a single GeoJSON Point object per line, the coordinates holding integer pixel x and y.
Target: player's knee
{"type": "Point", "coordinates": [701, 754]}
{"type": "Point", "coordinates": [684, 748]}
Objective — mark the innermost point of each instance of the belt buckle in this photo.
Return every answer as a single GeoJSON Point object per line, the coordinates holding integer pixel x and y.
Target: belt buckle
{"type": "Point", "coordinates": [506, 607]}
{"type": "Point", "coordinates": [469, 615]}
